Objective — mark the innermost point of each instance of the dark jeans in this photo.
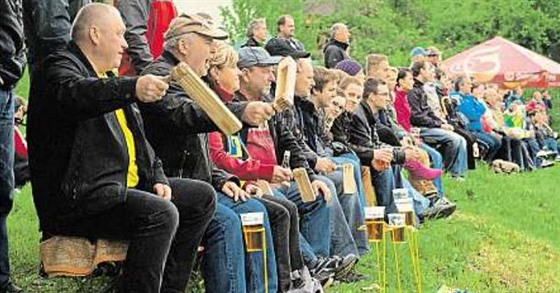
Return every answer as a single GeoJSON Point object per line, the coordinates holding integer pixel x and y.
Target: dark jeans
{"type": "Point", "coordinates": [6, 177]}
{"type": "Point", "coordinates": [161, 233]}
{"type": "Point", "coordinates": [471, 139]}
{"type": "Point", "coordinates": [284, 222]}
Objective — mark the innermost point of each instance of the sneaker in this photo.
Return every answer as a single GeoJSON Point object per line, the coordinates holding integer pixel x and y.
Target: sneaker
{"type": "Point", "coordinates": [557, 159]}
{"type": "Point", "coordinates": [441, 208]}
{"type": "Point", "coordinates": [302, 282]}
{"type": "Point", "coordinates": [11, 288]}
{"type": "Point", "coordinates": [546, 163]}
{"type": "Point", "coordinates": [458, 178]}
{"type": "Point", "coordinates": [344, 265]}
{"type": "Point", "coordinates": [323, 270]}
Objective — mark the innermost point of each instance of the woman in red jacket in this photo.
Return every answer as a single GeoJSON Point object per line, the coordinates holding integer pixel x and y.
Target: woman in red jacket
{"type": "Point", "coordinates": [223, 77]}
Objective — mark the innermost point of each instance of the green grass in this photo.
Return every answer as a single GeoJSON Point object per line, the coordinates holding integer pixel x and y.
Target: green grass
{"type": "Point", "coordinates": [504, 238]}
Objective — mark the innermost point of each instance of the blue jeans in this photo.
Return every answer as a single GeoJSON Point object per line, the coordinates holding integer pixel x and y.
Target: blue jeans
{"type": "Point", "coordinates": [346, 220]}
{"type": "Point", "coordinates": [223, 262]}
{"type": "Point", "coordinates": [533, 148]}
{"type": "Point", "coordinates": [352, 158]}
{"type": "Point", "coordinates": [384, 183]}
{"type": "Point", "coordinates": [437, 163]}
{"type": "Point", "coordinates": [454, 148]}
{"type": "Point", "coordinates": [493, 143]}
{"type": "Point", "coordinates": [314, 239]}
{"type": "Point", "coordinates": [254, 261]}
{"type": "Point", "coordinates": [551, 144]}
{"type": "Point", "coordinates": [6, 177]}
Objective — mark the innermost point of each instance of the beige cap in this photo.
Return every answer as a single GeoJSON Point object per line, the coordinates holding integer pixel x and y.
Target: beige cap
{"type": "Point", "coordinates": [192, 23]}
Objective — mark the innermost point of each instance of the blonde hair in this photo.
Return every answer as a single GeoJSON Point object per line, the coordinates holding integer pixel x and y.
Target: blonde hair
{"type": "Point", "coordinates": [225, 56]}
{"type": "Point", "coordinates": [373, 60]}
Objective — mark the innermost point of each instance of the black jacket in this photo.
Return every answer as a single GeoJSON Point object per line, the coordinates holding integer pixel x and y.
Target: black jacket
{"type": "Point", "coordinates": [47, 25]}
{"type": "Point", "coordinates": [12, 55]}
{"type": "Point", "coordinates": [77, 150]}
{"type": "Point", "coordinates": [282, 134]}
{"type": "Point", "coordinates": [363, 137]}
{"type": "Point", "coordinates": [335, 52]}
{"type": "Point", "coordinates": [311, 123]}
{"type": "Point", "coordinates": [251, 42]}
{"type": "Point", "coordinates": [421, 115]}
{"type": "Point", "coordinates": [177, 129]}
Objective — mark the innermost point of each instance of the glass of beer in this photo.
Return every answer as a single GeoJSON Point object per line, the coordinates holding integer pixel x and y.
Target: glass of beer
{"type": "Point", "coordinates": [253, 231]}
{"type": "Point", "coordinates": [397, 223]}
{"type": "Point", "coordinates": [404, 206]}
{"type": "Point", "coordinates": [400, 193]}
{"type": "Point", "coordinates": [375, 223]}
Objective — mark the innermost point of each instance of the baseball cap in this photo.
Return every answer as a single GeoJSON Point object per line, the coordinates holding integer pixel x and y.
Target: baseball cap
{"type": "Point", "coordinates": [418, 51]}
{"type": "Point", "coordinates": [192, 23]}
{"type": "Point", "coordinates": [256, 56]}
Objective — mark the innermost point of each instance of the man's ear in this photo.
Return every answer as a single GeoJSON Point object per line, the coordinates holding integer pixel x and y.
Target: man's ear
{"type": "Point", "coordinates": [245, 75]}
{"type": "Point", "coordinates": [94, 35]}
{"type": "Point", "coordinates": [183, 47]}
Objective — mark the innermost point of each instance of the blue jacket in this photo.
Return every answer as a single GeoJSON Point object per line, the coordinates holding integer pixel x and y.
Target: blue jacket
{"type": "Point", "coordinates": [473, 110]}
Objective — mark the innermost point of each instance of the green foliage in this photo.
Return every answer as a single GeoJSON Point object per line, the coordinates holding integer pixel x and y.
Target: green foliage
{"type": "Point", "coordinates": [394, 27]}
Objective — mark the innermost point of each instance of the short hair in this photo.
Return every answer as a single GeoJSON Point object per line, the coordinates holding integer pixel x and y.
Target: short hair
{"type": "Point", "coordinates": [253, 25]}
{"type": "Point", "coordinates": [340, 74]}
{"type": "Point", "coordinates": [347, 81]}
{"type": "Point", "coordinates": [282, 20]}
{"type": "Point", "coordinates": [458, 82]}
{"type": "Point", "coordinates": [89, 15]}
{"type": "Point", "coordinates": [171, 43]}
{"type": "Point", "coordinates": [322, 76]}
{"type": "Point", "coordinates": [417, 67]}
{"type": "Point", "coordinates": [373, 60]}
{"type": "Point", "coordinates": [402, 74]}
{"type": "Point", "coordinates": [371, 86]}
{"type": "Point", "coordinates": [335, 28]}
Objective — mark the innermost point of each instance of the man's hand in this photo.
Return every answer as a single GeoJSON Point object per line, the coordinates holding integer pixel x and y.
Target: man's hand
{"type": "Point", "coordinates": [232, 190]}
{"type": "Point", "coordinates": [151, 88]}
{"type": "Point", "coordinates": [281, 174]}
{"type": "Point", "coordinates": [320, 187]}
{"type": "Point", "coordinates": [254, 190]}
{"type": "Point", "coordinates": [325, 166]}
{"type": "Point", "coordinates": [257, 112]}
{"type": "Point", "coordinates": [446, 126]}
{"type": "Point", "coordinates": [384, 155]}
{"type": "Point", "coordinates": [163, 191]}
{"type": "Point", "coordinates": [382, 159]}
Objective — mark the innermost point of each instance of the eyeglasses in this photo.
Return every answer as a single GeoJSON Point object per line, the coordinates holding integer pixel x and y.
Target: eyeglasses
{"type": "Point", "coordinates": [338, 106]}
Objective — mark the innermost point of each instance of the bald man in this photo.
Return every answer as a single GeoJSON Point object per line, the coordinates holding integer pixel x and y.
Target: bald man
{"type": "Point", "coordinates": [94, 173]}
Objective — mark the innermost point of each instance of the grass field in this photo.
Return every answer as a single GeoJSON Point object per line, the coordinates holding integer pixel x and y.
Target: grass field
{"type": "Point", "coordinates": [504, 237]}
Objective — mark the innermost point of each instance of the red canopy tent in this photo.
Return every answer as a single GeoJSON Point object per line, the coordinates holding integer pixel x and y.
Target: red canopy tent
{"type": "Point", "coordinates": [505, 63]}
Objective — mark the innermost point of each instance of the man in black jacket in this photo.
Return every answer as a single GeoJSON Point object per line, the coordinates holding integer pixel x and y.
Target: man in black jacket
{"type": "Point", "coordinates": [336, 49]}
{"type": "Point", "coordinates": [364, 140]}
{"type": "Point", "coordinates": [93, 172]}
{"type": "Point", "coordinates": [11, 70]}
{"type": "Point", "coordinates": [433, 130]}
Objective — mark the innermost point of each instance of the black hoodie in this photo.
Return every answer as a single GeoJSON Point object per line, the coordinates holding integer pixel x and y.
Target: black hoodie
{"type": "Point", "coordinates": [335, 52]}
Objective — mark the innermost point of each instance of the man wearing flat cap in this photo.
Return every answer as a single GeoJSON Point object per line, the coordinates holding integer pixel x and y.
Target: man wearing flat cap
{"type": "Point", "coordinates": [178, 130]}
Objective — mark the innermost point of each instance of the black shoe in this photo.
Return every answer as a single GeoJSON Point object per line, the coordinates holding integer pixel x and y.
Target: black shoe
{"type": "Point", "coordinates": [441, 208]}
{"type": "Point", "coordinates": [11, 288]}
{"type": "Point", "coordinates": [323, 270]}
{"type": "Point", "coordinates": [345, 265]}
